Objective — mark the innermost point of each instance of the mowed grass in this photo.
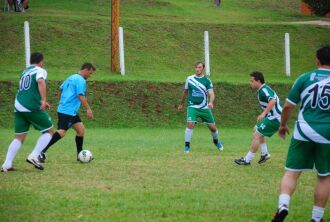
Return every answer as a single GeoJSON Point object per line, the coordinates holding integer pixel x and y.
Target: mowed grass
{"type": "Point", "coordinates": [163, 38]}
{"type": "Point", "coordinates": [142, 174]}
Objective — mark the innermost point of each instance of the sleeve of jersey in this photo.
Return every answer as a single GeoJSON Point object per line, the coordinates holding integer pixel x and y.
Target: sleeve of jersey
{"type": "Point", "coordinates": [81, 88]}
{"type": "Point", "coordinates": [209, 85]}
{"type": "Point", "coordinates": [294, 94]}
{"type": "Point", "coordinates": [186, 84]}
{"type": "Point", "coordinates": [41, 73]}
{"type": "Point", "coordinates": [269, 94]}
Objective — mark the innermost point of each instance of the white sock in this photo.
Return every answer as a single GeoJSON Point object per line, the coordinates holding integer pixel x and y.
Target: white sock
{"type": "Point", "coordinates": [41, 144]}
{"type": "Point", "coordinates": [317, 213]}
{"type": "Point", "coordinates": [13, 148]}
{"type": "Point", "coordinates": [284, 199]}
{"type": "Point", "coordinates": [188, 134]}
{"type": "Point", "coordinates": [249, 156]}
{"type": "Point", "coordinates": [264, 150]}
{"type": "Point", "coordinates": [215, 135]}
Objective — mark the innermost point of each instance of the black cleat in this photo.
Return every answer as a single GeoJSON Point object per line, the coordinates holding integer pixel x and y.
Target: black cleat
{"type": "Point", "coordinates": [242, 162]}
{"type": "Point", "coordinates": [315, 220]}
{"type": "Point", "coordinates": [42, 157]}
{"type": "Point", "coordinates": [280, 214]}
{"type": "Point", "coordinates": [264, 158]}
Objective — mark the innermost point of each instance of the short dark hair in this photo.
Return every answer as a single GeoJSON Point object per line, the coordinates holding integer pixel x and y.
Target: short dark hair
{"type": "Point", "coordinates": [323, 55]}
{"type": "Point", "coordinates": [200, 62]}
{"type": "Point", "coordinates": [36, 57]}
{"type": "Point", "coordinates": [88, 66]}
{"type": "Point", "coordinates": [258, 76]}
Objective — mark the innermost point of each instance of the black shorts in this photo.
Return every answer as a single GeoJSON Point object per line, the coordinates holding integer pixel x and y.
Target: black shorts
{"type": "Point", "coordinates": [66, 121]}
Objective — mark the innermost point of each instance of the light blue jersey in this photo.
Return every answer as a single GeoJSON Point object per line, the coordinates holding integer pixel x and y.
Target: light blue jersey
{"type": "Point", "coordinates": [71, 88]}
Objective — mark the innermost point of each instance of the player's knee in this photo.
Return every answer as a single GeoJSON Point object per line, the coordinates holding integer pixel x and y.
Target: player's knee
{"type": "Point", "coordinates": [21, 137]}
{"type": "Point", "coordinates": [190, 125]}
{"type": "Point", "coordinates": [257, 135]}
{"type": "Point", "coordinates": [51, 131]}
{"type": "Point", "coordinates": [80, 131]}
{"type": "Point", "coordinates": [61, 133]}
{"type": "Point", "coordinates": [292, 174]}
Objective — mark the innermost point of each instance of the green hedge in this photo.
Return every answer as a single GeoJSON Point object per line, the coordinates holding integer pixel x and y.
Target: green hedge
{"type": "Point", "coordinates": [148, 104]}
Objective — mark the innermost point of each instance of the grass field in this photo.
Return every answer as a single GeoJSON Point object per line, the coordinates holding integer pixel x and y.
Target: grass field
{"type": "Point", "coordinates": [140, 172]}
{"type": "Point", "coordinates": [143, 175]}
{"type": "Point", "coordinates": [163, 38]}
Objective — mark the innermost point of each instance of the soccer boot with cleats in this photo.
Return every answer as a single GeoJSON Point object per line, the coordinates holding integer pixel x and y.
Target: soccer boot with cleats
{"type": "Point", "coordinates": [280, 214]}
{"type": "Point", "coordinates": [35, 162]}
{"type": "Point", "coordinates": [42, 157]}
{"type": "Point", "coordinates": [186, 149]}
{"type": "Point", "coordinates": [242, 162]}
{"type": "Point", "coordinates": [315, 220]}
{"type": "Point", "coordinates": [219, 145]}
{"type": "Point", "coordinates": [5, 170]}
{"type": "Point", "coordinates": [264, 158]}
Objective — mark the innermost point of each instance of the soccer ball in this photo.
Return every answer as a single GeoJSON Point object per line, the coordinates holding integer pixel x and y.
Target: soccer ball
{"type": "Point", "coordinates": [85, 156]}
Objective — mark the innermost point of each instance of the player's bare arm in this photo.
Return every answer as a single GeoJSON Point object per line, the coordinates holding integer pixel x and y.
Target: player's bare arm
{"type": "Point", "coordinates": [286, 113]}
{"type": "Point", "coordinates": [211, 98]}
{"type": "Point", "coordinates": [269, 107]}
{"type": "Point", "coordinates": [84, 102]}
{"type": "Point", "coordinates": [183, 98]}
{"type": "Point", "coordinates": [42, 89]}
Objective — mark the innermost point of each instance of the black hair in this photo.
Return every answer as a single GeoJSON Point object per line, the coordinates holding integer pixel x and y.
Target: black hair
{"type": "Point", "coordinates": [258, 76]}
{"type": "Point", "coordinates": [200, 62]}
{"type": "Point", "coordinates": [36, 57]}
{"type": "Point", "coordinates": [323, 55]}
{"type": "Point", "coordinates": [87, 66]}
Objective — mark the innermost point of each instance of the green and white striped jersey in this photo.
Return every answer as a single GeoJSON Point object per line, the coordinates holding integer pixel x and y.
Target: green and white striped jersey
{"type": "Point", "coordinates": [312, 89]}
{"type": "Point", "coordinates": [28, 95]}
{"type": "Point", "coordinates": [198, 88]}
{"type": "Point", "coordinates": [265, 94]}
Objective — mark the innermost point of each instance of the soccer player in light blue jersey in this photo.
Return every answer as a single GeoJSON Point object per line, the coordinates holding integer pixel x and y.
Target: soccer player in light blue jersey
{"type": "Point", "coordinates": [310, 143]}
{"type": "Point", "coordinates": [72, 95]}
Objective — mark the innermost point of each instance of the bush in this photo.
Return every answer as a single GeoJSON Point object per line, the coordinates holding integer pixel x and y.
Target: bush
{"type": "Point", "coordinates": [319, 7]}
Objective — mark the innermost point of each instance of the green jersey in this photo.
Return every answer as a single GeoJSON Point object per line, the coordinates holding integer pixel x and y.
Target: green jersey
{"type": "Point", "coordinates": [198, 88]}
{"type": "Point", "coordinates": [312, 89]}
{"type": "Point", "coordinates": [265, 94]}
{"type": "Point", "coordinates": [28, 95]}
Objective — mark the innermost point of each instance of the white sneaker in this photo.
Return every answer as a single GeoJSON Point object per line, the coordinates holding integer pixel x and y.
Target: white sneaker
{"type": "Point", "coordinates": [35, 162]}
{"type": "Point", "coordinates": [4, 169]}
{"type": "Point", "coordinates": [264, 158]}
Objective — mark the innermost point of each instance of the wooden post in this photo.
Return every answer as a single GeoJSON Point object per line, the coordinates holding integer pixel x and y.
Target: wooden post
{"type": "Point", "coordinates": [115, 13]}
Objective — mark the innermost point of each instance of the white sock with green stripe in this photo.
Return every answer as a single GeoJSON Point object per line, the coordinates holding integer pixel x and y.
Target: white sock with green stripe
{"type": "Point", "coordinates": [13, 148]}
{"type": "Point", "coordinates": [188, 135]}
{"type": "Point", "coordinates": [249, 156]}
{"type": "Point", "coordinates": [41, 144]}
{"type": "Point", "coordinates": [317, 213]}
{"type": "Point", "coordinates": [264, 149]}
{"type": "Point", "coordinates": [215, 135]}
{"type": "Point", "coordinates": [284, 199]}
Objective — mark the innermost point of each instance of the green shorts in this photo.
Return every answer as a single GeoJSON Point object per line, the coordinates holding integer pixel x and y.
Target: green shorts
{"type": "Point", "coordinates": [40, 120]}
{"type": "Point", "coordinates": [268, 127]}
{"type": "Point", "coordinates": [204, 114]}
{"type": "Point", "coordinates": [304, 155]}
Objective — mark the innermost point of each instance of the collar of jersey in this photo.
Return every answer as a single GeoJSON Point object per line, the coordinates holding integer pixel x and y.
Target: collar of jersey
{"type": "Point", "coordinates": [199, 76]}
{"type": "Point", "coordinates": [261, 86]}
